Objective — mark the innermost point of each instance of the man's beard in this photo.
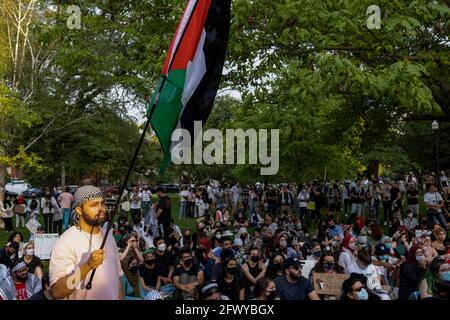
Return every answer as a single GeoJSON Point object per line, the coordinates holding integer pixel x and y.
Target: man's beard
{"type": "Point", "coordinates": [93, 222]}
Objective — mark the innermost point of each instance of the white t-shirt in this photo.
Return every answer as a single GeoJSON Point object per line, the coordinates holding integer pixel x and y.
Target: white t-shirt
{"type": "Point", "coordinates": [146, 195]}
{"type": "Point", "coordinates": [303, 198]}
{"type": "Point", "coordinates": [73, 249]}
{"type": "Point", "coordinates": [371, 272]}
{"type": "Point", "coordinates": [432, 198]}
{"type": "Point", "coordinates": [184, 193]}
{"type": "Point", "coordinates": [235, 193]}
{"type": "Point", "coordinates": [136, 204]}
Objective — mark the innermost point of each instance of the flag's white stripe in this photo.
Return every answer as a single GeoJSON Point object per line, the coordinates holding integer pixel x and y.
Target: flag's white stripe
{"type": "Point", "coordinates": [195, 71]}
{"type": "Point", "coordinates": [183, 25]}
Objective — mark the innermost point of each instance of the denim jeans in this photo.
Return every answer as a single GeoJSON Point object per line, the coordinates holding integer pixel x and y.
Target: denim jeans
{"type": "Point", "coordinates": [66, 217]}
{"type": "Point", "coordinates": [182, 213]}
{"type": "Point", "coordinates": [437, 218]}
{"type": "Point", "coordinates": [167, 289]}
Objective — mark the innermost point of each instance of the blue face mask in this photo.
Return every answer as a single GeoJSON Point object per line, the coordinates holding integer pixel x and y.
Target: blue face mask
{"type": "Point", "coordinates": [384, 258]}
{"type": "Point", "coordinates": [445, 276]}
{"type": "Point", "coordinates": [363, 295]}
{"type": "Point", "coordinates": [317, 254]}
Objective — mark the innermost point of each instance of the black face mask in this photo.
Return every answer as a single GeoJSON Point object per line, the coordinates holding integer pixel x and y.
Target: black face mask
{"type": "Point", "coordinates": [133, 269]}
{"type": "Point", "coordinates": [232, 270]}
{"type": "Point", "coordinates": [255, 259]}
{"type": "Point", "coordinates": [278, 266]}
{"type": "Point", "coordinates": [332, 227]}
{"type": "Point", "coordinates": [201, 230]}
{"type": "Point", "coordinates": [272, 295]}
{"type": "Point", "coordinates": [188, 262]}
{"type": "Point", "coordinates": [150, 262]}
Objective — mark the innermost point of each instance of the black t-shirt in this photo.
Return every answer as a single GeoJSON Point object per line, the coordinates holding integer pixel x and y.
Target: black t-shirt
{"type": "Point", "coordinates": [412, 193]}
{"type": "Point", "coordinates": [150, 276]}
{"type": "Point", "coordinates": [165, 206]}
{"type": "Point", "coordinates": [293, 291]}
{"type": "Point", "coordinates": [272, 194]}
{"type": "Point", "coordinates": [35, 262]}
{"type": "Point", "coordinates": [356, 195]}
{"type": "Point", "coordinates": [229, 290]}
{"type": "Point", "coordinates": [193, 271]}
{"type": "Point", "coordinates": [163, 262]}
{"type": "Point", "coordinates": [394, 193]}
{"type": "Point", "coordinates": [4, 258]}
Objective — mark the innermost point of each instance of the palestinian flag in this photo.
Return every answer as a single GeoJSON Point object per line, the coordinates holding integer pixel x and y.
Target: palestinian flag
{"type": "Point", "coordinates": [191, 74]}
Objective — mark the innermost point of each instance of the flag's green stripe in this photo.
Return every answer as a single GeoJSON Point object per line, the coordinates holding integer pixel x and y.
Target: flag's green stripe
{"type": "Point", "coordinates": [167, 112]}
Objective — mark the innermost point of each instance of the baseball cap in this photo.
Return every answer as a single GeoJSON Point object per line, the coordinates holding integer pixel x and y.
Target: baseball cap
{"type": "Point", "coordinates": [381, 249]}
{"type": "Point", "coordinates": [291, 262]}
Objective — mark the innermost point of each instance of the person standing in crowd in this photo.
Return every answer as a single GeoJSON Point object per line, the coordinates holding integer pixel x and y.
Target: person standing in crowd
{"type": "Point", "coordinates": [184, 198]}
{"type": "Point", "coordinates": [33, 262]}
{"type": "Point", "coordinates": [229, 282]}
{"type": "Point", "coordinates": [443, 181]}
{"type": "Point", "coordinates": [77, 252]}
{"type": "Point", "coordinates": [369, 194]}
{"type": "Point", "coordinates": [292, 285]}
{"type": "Point", "coordinates": [20, 217]}
{"type": "Point", "coordinates": [357, 197]}
{"type": "Point", "coordinates": [19, 284]}
{"type": "Point", "coordinates": [7, 213]}
{"type": "Point", "coordinates": [66, 199]}
{"type": "Point", "coordinates": [434, 204]}
{"type": "Point", "coordinates": [49, 207]}
{"type": "Point", "coordinates": [135, 205]}
{"type": "Point", "coordinates": [303, 198]}
{"type": "Point", "coordinates": [412, 199]}
{"type": "Point", "coordinates": [163, 213]}
{"type": "Point", "coordinates": [345, 196]}
{"type": "Point", "coordinates": [285, 201]}
{"type": "Point", "coordinates": [236, 196]}
{"type": "Point", "coordinates": [387, 203]}
{"type": "Point", "coordinates": [396, 198]}
{"type": "Point", "coordinates": [146, 201]}
{"type": "Point", "coordinates": [271, 198]}
{"type": "Point", "coordinates": [188, 277]}
{"type": "Point", "coordinates": [33, 207]}
{"type": "Point", "coordinates": [377, 196]}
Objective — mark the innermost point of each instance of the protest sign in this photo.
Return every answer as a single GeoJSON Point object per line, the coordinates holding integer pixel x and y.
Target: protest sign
{"type": "Point", "coordinates": [329, 283]}
{"type": "Point", "coordinates": [307, 265]}
{"type": "Point", "coordinates": [43, 244]}
{"type": "Point", "coordinates": [32, 225]}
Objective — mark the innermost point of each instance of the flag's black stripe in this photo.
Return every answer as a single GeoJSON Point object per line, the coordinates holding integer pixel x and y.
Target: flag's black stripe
{"type": "Point", "coordinates": [217, 27]}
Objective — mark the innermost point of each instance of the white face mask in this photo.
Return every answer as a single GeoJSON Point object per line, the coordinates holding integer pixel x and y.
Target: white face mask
{"type": "Point", "coordinates": [30, 252]}
{"type": "Point", "coordinates": [162, 247]}
{"type": "Point", "coordinates": [218, 236]}
{"type": "Point", "coordinates": [283, 243]}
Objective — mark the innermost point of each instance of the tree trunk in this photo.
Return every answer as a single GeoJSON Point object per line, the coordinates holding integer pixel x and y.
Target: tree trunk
{"type": "Point", "coordinates": [373, 169]}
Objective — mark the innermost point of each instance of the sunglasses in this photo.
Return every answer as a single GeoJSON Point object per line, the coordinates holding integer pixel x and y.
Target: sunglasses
{"type": "Point", "coordinates": [295, 267]}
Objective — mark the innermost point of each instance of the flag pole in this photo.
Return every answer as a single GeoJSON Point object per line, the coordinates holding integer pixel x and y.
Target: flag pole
{"type": "Point", "coordinates": [136, 152]}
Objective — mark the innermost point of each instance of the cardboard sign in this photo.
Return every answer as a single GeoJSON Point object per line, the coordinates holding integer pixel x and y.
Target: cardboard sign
{"type": "Point", "coordinates": [32, 225]}
{"type": "Point", "coordinates": [329, 283]}
{"type": "Point", "coordinates": [43, 244]}
{"type": "Point", "coordinates": [419, 233]}
{"type": "Point", "coordinates": [307, 266]}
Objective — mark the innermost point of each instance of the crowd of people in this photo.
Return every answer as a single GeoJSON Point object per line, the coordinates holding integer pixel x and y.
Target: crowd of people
{"type": "Point", "coordinates": [258, 242]}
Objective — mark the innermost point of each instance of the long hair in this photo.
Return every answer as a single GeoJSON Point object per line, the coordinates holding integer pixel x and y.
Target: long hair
{"type": "Point", "coordinates": [235, 286]}
{"type": "Point", "coordinates": [432, 274]}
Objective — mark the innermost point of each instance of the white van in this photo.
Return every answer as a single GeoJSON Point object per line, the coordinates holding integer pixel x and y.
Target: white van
{"type": "Point", "coordinates": [17, 186]}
